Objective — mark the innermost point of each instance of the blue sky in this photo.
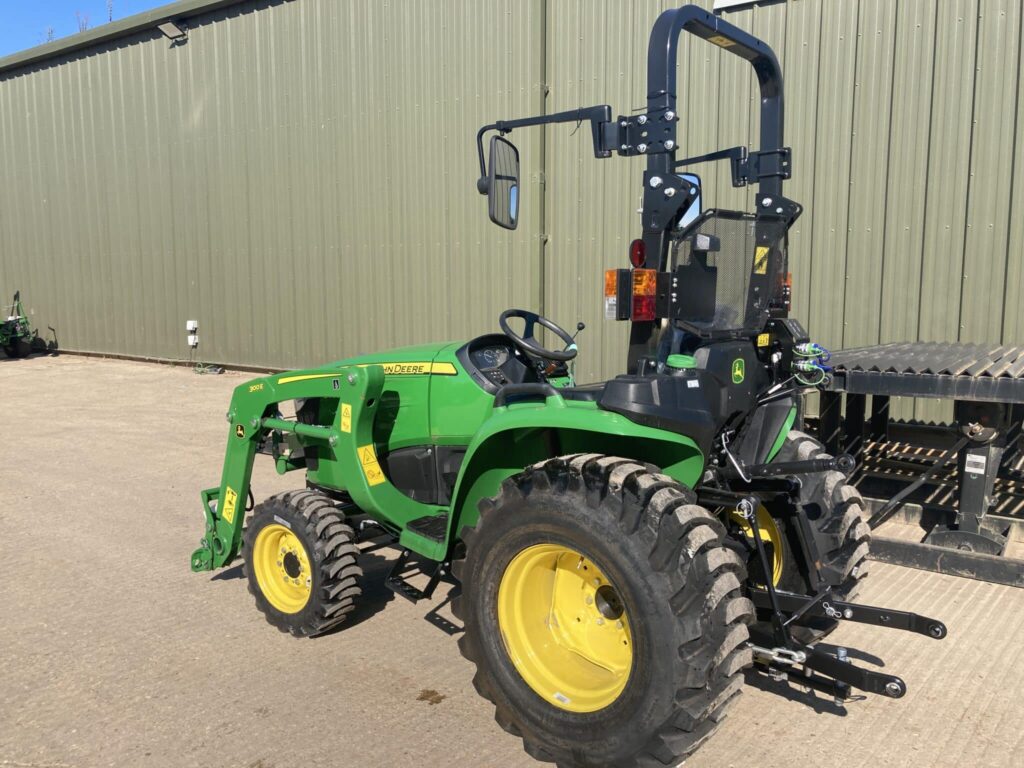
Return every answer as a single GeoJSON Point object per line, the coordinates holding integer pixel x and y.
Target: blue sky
{"type": "Point", "coordinates": [23, 23]}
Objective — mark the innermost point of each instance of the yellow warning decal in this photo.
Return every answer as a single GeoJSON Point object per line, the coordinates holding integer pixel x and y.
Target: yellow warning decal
{"type": "Point", "coordinates": [371, 468]}
{"type": "Point", "coordinates": [415, 369]}
{"type": "Point", "coordinates": [721, 41]}
{"type": "Point", "coordinates": [764, 339]}
{"type": "Point", "coordinates": [346, 417]}
{"type": "Point", "coordinates": [761, 260]}
{"type": "Point", "coordinates": [230, 501]}
{"type": "Point", "coordinates": [307, 377]}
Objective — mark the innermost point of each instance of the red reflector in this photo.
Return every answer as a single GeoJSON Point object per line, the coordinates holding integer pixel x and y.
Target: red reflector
{"type": "Point", "coordinates": [637, 253]}
{"type": "Point", "coordinates": [643, 307]}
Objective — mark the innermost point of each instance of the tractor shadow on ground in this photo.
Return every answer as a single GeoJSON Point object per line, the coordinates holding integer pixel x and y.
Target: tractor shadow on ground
{"type": "Point", "coordinates": [36, 348]}
{"type": "Point", "coordinates": [438, 615]}
{"type": "Point", "coordinates": [229, 574]}
{"type": "Point", "coordinates": [791, 691]}
{"type": "Point", "coordinates": [375, 595]}
{"type": "Point", "coordinates": [854, 654]}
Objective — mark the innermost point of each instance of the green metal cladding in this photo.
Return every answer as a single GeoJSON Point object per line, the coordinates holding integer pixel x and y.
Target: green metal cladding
{"type": "Point", "coordinates": [299, 176]}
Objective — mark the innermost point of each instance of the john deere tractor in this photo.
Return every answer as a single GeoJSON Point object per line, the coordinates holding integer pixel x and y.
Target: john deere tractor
{"type": "Point", "coordinates": [627, 549]}
{"type": "Point", "coordinates": [16, 334]}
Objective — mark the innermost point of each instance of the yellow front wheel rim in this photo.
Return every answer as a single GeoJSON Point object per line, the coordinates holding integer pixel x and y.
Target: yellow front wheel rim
{"type": "Point", "coordinates": [565, 628]}
{"type": "Point", "coordinates": [770, 535]}
{"type": "Point", "coordinates": [282, 568]}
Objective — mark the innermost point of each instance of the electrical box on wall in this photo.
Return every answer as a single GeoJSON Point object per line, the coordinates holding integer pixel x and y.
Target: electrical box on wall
{"type": "Point", "coordinates": [192, 328]}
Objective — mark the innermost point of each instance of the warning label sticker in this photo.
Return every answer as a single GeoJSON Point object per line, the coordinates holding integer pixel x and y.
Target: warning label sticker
{"type": "Point", "coordinates": [230, 502]}
{"type": "Point", "coordinates": [371, 467]}
{"type": "Point", "coordinates": [761, 260]}
{"type": "Point", "coordinates": [975, 464]}
{"type": "Point", "coordinates": [722, 41]}
{"type": "Point", "coordinates": [346, 417]}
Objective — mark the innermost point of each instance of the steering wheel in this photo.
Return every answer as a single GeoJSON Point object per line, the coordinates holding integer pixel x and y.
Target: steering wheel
{"type": "Point", "coordinates": [529, 344]}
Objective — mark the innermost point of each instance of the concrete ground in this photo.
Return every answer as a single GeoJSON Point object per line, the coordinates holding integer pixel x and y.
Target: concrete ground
{"type": "Point", "coordinates": [113, 654]}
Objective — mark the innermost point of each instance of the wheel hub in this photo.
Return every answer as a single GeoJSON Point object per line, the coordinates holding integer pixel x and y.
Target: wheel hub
{"type": "Point", "coordinates": [282, 569]}
{"type": "Point", "coordinates": [565, 628]}
{"type": "Point", "coordinates": [292, 566]}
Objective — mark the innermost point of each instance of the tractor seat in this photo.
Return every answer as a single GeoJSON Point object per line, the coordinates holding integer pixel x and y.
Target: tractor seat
{"type": "Point", "coordinates": [588, 392]}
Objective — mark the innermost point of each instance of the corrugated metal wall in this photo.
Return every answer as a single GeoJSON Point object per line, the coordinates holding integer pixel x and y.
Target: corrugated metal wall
{"type": "Point", "coordinates": [300, 178]}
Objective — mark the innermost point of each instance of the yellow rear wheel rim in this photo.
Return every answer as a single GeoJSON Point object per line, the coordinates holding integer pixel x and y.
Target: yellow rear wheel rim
{"type": "Point", "coordinates": [565, 628]}
{"type": "Point", "coordinates": [770, 535]}
{"type": "Point", "coordinates": [282, 568]}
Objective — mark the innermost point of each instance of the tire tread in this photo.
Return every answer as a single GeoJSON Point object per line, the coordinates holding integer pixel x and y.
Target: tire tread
{"type": "Point", "coordinates": [685, 543]}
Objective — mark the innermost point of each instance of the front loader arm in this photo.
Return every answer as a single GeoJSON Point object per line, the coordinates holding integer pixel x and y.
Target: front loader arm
{"type": "Point", "coordinates": [349, 395]}
{"type": "Point", "coordinates": [254, 414]}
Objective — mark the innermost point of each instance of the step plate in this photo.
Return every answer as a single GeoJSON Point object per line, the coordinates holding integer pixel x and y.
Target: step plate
{"type": "Point", "coordinates": [433, 527]}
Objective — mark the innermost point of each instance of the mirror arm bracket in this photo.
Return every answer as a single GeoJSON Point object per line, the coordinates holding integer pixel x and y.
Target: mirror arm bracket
{"type": "Point", "coordinates": [749, 167]}
{"type": "Point", "coordinates": [601, 127]}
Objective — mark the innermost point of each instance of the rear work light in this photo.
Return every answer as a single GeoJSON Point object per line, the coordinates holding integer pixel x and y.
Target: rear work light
{"type": "Point", "coordinates": [645, 291]}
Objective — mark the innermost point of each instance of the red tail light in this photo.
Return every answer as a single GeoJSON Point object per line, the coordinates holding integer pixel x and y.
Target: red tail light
{"type": "Point", "coordinates": [645, 289]}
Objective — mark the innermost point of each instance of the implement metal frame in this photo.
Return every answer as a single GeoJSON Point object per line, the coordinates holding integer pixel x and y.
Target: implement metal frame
{"type": "Point", "coordinates": [988, 409]}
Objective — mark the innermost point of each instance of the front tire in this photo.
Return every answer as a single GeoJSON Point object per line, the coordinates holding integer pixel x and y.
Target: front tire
{"type": "Point", "coordinates": [301, 560]}
{"type": "Point", "coordinates": [661, 639]}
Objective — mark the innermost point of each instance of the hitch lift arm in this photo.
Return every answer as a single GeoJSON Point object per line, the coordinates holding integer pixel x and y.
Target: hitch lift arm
{"type": "Point", "coordinates": [837, 674]}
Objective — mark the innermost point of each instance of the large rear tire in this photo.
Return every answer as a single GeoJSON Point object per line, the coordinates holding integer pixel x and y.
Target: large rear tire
{"type": "Point", "coordinates": [603, 613]}
{"type": "Point", "coordinates": [301, 560]}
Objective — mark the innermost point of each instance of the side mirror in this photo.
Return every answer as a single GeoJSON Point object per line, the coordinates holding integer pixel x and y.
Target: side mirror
{"type": "Point", "coordinates": [690, 215]}
{"type": "Point", "coordinates": [502, 183]}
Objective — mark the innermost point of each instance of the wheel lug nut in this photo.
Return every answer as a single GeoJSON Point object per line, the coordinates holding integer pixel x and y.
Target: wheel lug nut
{"type": "Point", "coordinates": [618, 625]}
{"type": "Point", "coordinates": [590, 600]}
{"type": "Point", "coordinates": [600, 622]}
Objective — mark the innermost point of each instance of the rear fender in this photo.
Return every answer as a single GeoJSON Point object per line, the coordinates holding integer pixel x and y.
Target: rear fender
{"type": "Point", "coordinates": [519, 435]}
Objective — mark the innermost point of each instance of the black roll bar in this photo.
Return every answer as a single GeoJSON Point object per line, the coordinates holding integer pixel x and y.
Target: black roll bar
{"type": "Point", "coordinates": [662, 52]}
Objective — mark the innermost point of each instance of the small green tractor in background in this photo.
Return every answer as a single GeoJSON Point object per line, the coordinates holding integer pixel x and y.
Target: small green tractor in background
{"type": "Point", "coordinates": [625, 550]}
{"type": "Point", "coordinates": [16, 334]}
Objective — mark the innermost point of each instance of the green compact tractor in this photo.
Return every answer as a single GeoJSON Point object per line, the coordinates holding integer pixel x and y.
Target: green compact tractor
{"type": "Point", "coordinates": [15, 332]}
{"type": "Point", "coordinates": [625, 550]}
